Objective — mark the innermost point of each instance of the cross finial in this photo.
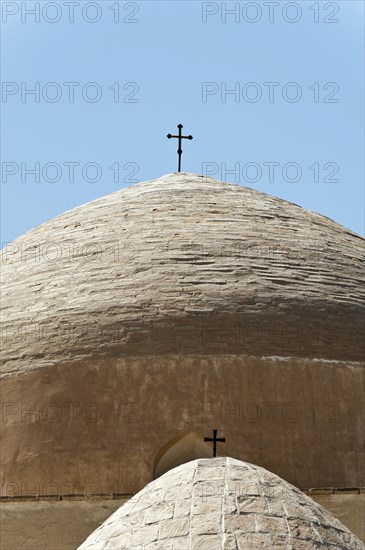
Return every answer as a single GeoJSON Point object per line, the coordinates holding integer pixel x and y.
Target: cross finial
{"type": "Point", "coordinates": [215, 439]}
{"type": "Point", "coordinates": [180, 137]}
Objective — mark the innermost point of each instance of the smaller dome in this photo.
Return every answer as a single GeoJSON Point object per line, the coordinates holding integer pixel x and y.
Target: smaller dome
{"type": "Point", "coordinates": [221, 503]}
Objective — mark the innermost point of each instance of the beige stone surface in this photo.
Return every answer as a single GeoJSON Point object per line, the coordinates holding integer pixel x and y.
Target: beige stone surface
{"type": "Point", "coordinates": [348, 508]}
{"type": "Point", "coordinates": [138, 272]}
{"type": "Point", "coordinates": [211, 525]}
{"type": "Point", "coordinates": [51, 525]}
{"type": "Point", "coordinates": [97, 426]}
{"type": "Point", "coordinates": [181, 305]}
{"type": "Point", "coordinates": [70, 522]}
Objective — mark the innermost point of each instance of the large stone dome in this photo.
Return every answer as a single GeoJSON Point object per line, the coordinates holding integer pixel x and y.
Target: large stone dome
{"type": "Point", "coordinates": [217, 504]}
{"type": "Point", "coordinates": [137, 323]}
{"type": "Point", "coordinates": [183, 264]}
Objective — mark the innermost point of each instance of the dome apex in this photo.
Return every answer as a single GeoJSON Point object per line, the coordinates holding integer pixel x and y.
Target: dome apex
{"type": "Point", "coordinates": [146, 269]}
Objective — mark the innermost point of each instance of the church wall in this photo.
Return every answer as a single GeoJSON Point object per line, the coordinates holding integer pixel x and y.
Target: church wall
{"type": "Point", "coordinates": [96, 427]}
{"type": "Point", "coordinates": [52, 525]}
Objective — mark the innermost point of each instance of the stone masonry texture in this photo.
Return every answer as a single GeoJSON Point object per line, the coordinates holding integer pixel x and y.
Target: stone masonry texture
{"type": "Point", "coordinates": [142, 270]}
{"type": "Point", "coordinates": [231, 505]}
{"type": "Point", "coordinates": [181, 305]}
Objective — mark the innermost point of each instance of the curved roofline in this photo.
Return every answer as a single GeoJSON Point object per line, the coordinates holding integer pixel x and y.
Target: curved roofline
{"type": "Point", "coordinates": [207, 179]}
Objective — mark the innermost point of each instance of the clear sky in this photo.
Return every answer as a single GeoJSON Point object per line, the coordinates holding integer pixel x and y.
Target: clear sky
{"type": "Point", "coordinates": [111, 79]}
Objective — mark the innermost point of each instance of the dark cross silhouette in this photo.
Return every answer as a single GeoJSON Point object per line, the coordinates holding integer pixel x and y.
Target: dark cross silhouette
{"type": "Point", "coordinates": [179, 137]}
{"type": "Point", "coordinates": [215, 439]}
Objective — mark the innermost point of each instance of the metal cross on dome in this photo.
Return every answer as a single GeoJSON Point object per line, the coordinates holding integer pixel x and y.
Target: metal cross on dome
{"type": "Point", "coordinates": [180, 137]}
{"type": "Point", "coordinates": [215, 439]}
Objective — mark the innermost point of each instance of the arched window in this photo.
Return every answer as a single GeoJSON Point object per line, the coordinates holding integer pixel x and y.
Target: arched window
{"type": "Point", "coordinates": [183, 448]}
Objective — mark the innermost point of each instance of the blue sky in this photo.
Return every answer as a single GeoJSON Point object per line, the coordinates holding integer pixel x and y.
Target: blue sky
{"type": "Point", "coordinates": [140, 68]}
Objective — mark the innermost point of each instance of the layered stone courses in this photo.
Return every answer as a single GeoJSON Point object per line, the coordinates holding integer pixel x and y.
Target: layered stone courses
{"type": "Point", "coordinates": [167, 306]}
{"type": "Point", "coordinates": [182, 264]}
{"type": "Point", "coordinates": [220, 504]}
